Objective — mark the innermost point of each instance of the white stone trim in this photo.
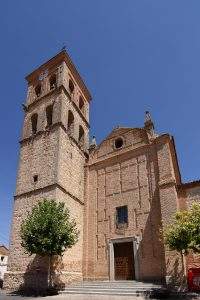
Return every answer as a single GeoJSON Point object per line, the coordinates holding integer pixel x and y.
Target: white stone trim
{"type": "Point", "coordinates": [135, 242]}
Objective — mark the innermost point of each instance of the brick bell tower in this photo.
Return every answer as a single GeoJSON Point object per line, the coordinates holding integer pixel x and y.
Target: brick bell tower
{"type": "Point", "coordinates": [53, 151]}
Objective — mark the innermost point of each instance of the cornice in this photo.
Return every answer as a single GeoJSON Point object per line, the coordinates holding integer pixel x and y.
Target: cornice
{"type": "Point", "coordinates": [117, 155]}
{"type": "Point", "coordinates": [48, 130]}
{"type": "Point", "coordinates": [50, 186]}
{"type": "Point", "coordinates": [189, 185]}
{"type": "Point", "coordinates": [57, 59]}
{"type": "Point", "coordinates": [167, 182]}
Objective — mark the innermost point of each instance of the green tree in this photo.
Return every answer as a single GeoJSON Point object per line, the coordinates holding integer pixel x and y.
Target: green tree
{"type": "Point", "coordinates": [194, 219]}
{"type": "Point", "coordinates": [178, 235]}
{"type": "Point", "coordinates": [183, 235]}
{"type": "Point", "coordinates": [48, 231]}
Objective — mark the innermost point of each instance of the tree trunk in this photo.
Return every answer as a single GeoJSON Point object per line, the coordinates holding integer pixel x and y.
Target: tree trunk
{"type": "Point", "coordinates": [50, 281]}
{"type": "Point", "coordinates": [183, 264]}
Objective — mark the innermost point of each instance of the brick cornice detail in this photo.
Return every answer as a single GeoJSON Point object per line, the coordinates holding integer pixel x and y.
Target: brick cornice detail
{"type": "Point", "coordinates": [50, 186]}
{"type": "Point", "coordinates": [167, 182]}
{"type": "Point", "coordinates": [116, 155]}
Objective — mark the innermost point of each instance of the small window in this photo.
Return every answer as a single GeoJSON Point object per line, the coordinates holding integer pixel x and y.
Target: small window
{"type": "Point", "coordinates": [49, 115]}
{"type": "Point", "coordinates": [81, 104]}
{"type": "Point", "coordinates": [52, 82]}
{"type": "Point", "coordinates": [70, 124]}
{"type": "Point", "coordinates": [34, 120]}
{"type": "Point", "coordinates": [35, 178]}
{"type": "Point", "coordinates": [119, 143]}
{"type": "Point", "coordinates": [38, 90]}
{"type": "Point", "coordinates": [81, 135]}
{"type": "Point", "coordinates": [2, 258]}
{"type": "Point", "coordinates": [71, 86]}
{"type": "Point", "coordinates": [122, 215]}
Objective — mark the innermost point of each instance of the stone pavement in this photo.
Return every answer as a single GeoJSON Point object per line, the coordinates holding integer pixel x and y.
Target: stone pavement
{"type": "Point", "coordinates": [3, 296]}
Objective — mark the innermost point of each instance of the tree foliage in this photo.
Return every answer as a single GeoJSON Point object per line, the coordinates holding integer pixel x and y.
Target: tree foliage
{"type": "Point", "coordinates": [184, 233]}
{"type": "Point", "coordinates": [48, 229]}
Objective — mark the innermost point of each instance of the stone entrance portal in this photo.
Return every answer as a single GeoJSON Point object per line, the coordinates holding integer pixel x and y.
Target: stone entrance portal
{"type": "Point", "coordinates": [124, 261]}
{"type": "Point", "coordinates": [124, 264]}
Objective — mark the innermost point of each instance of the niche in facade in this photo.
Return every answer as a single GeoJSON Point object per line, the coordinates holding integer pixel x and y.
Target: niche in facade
{"type": "Point", "coordinates": [34, 121]}
{"type": "Point", "coordinates": [49, 115]}
{"type": "Point", "coordinates": [70, 123]}
{"type": "Point", "coordinates": [81, 136]}
{"type": "Point", "coordinates": [53, 82]}
{"type": "Point", "coordinates": [38, 90]}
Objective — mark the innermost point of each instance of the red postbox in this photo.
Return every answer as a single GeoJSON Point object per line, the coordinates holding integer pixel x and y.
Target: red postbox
{"type": "Point", "coordinates": [194, 279]}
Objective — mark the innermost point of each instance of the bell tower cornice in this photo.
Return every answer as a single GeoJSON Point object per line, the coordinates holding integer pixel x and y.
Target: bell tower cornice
{"type": "Point", "coordinates": [62, 56]}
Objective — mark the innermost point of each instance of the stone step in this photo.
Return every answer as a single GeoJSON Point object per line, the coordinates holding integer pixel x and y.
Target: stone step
{"type": "Point", "coordinates": [108, 292]}
{"type": "Point", "coordinates": [112, 288]}
{"type": "Point", "coordinates": [123, 285]}
{"type": "Point", "coordinates": [113, 293]}
{"type": "Point", "coordinates": [108, 285]}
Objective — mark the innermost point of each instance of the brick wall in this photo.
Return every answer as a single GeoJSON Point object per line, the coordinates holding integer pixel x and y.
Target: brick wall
{"type": "Point", "coordinates": [116, 178]}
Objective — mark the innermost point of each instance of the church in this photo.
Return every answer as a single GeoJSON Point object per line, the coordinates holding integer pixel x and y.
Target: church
{"type": "Point", "coordinates": [122, 192]}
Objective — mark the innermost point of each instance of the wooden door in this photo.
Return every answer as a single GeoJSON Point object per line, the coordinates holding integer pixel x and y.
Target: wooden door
{"type": "Point", "coordinates": [124, 261]}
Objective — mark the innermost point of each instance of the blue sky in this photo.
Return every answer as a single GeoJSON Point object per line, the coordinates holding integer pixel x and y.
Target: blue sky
{"type": "Point", "coordinates": [134, 55]}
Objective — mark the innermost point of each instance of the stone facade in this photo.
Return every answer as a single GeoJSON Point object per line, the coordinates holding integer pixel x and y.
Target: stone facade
{"type": "Point", "coordinates": [54, 148]}
{"type": "Point", "coordinates": [133, 170]}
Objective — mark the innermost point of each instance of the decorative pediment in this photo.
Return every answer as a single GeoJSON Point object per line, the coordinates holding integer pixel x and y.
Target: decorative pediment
{"type": "Point", "coordinates": [120, 140]}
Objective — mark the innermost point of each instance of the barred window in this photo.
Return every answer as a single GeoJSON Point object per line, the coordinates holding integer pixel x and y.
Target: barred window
{"type": "Point", "coordinates": [122, 214]}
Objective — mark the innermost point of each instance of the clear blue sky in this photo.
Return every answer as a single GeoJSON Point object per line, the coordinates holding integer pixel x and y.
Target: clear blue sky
{"type": "Point", "coordinates": [134, 55]}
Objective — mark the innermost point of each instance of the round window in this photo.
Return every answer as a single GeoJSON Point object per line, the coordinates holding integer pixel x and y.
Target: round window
{"type": "Point", "coordinates": [119, 143]}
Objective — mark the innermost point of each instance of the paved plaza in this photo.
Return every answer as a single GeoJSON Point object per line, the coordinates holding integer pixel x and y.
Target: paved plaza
{"type": "Point", "coordinates": [3, 296]}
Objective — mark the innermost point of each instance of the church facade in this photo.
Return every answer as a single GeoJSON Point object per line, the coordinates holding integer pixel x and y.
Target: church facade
{"type": "Point", "coordinates": [122, 193]}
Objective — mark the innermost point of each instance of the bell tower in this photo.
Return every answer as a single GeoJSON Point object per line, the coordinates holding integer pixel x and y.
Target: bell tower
{"type": "Point", "coordinates": [53, 150]}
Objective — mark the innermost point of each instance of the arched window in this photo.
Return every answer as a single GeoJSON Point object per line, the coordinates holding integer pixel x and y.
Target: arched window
{"type": "Point", "coordinates": [52, 82]}
{"type": "Point", "coordinates": [34, 120]}
{"type": "Point", "coordinates": [71, 86]}
{"type": "Point", "coordinates": [81, 104]}
{"type": "Point", "coordinates": [70, 124]}
{"type": "Point", "coordinates": [38, 90]}
{"type": "Point", "coordinates": [81, 135]}
{"type": "Point", "coordinates": [49, 114]}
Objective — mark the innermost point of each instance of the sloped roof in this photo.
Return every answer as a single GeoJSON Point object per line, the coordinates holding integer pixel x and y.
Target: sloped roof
{"type": "Point", "coordinates": [189, 184]}
{"type": "Point", "coordinates": [4, 250]}
{"type": "Point", "coordinates": [119, 131]}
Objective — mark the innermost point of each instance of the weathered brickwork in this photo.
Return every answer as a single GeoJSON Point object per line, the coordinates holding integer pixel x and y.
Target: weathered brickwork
{"type": "Point", "coordinates": [132, 168]}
